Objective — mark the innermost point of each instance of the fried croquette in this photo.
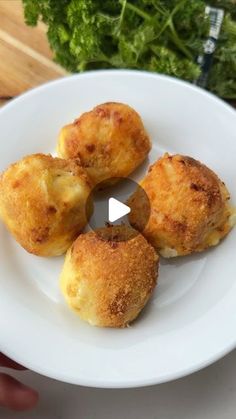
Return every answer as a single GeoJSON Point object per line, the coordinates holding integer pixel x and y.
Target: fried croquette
{"type": "Point", "coordinates": [42, 202]}
{"type": "Point", "coordinates": [109, 275]}
{"type": "Point", "coordinates": [110, 141]}
{"type": "Point", "coordinates": [190, 208]}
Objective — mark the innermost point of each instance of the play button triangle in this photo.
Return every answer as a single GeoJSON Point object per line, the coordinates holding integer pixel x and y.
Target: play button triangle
{"type": "Point", "coordinates": [116, 210]}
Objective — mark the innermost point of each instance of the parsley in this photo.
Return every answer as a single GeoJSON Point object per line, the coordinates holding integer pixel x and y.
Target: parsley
{"type": "Point", "coordinates": [163, 36]}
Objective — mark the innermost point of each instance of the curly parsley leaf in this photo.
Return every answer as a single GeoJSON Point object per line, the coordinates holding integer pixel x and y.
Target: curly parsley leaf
{"type": "Point", "coordinates": [164, 36]}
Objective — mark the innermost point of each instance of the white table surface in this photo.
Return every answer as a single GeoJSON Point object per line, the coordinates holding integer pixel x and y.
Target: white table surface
{"type": "Point", "coordinates": [207, 394]}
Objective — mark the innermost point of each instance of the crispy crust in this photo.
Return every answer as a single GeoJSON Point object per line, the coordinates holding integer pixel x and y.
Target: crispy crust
{"type": "Point", "coordinates": [108, 281]}
{"type": "Point", "coordinates": [189, 206]}
{"type": "Point", "coordinates": [42, 202]}
{"type": "Point", "coordinates": [110, 141]}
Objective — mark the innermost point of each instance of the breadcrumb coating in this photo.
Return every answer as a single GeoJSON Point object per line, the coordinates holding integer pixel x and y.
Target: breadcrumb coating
{"type": "Point", "coordinates": [109, 275]}
{"type": "Point", "coordinates": [110, 141]}
{"type": "Point", "coordinates": [42, 202]}
{"type": "Point", "coordinates": [189, 206]}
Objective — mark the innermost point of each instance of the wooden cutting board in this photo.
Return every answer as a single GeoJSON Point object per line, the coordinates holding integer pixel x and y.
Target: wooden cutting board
{"type": "Point", "coordinates": [25, 57]}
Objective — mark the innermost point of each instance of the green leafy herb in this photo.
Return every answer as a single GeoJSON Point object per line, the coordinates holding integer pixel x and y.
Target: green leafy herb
{"type": "Point", "coordinates": [164, 36]}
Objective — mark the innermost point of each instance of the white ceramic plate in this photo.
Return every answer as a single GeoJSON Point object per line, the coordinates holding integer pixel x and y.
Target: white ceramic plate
{"type": "Point", "coordinates": [191, 320]}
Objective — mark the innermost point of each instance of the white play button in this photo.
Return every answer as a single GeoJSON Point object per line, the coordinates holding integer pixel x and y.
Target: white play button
{"type": "Point", "coordinates": [110, 204]}
{"type": "Point", "coordinates": [116, 210]}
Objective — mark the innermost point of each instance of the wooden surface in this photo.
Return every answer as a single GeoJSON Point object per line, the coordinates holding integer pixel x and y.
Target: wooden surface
{"type": "Point", "coordinates": [25, 56]}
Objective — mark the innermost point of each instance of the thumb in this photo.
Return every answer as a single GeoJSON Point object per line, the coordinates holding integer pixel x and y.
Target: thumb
{"type": "Point", "coordinates": [15, 395]}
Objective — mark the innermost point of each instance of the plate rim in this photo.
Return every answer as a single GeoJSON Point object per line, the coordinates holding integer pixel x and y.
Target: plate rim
{"type": "Point", "coordinates": [137, 383]}
{"type": "Point", "coordinates": [99, 383]}
{"type": "Point", "coordinates": [125, 72]}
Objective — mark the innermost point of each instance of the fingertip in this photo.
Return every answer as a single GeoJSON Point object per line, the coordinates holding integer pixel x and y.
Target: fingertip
{"type": "Point", "coordinates": [16, 396]}
{"type": "Point", "coordinates": [25, 399]}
